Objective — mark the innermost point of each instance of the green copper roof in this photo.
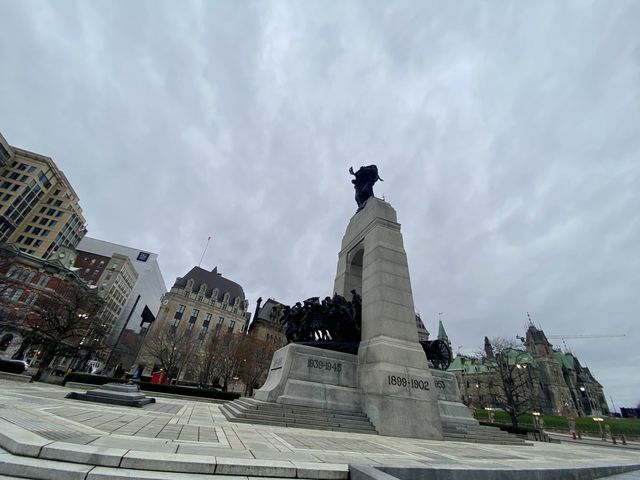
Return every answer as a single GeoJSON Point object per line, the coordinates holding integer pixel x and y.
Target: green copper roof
{"type": "Point", "coordinates": [565, 359]}
{"type": "Point", "coordinates": [476, 365]}
{"type": "Point", "coordinates": [442, 335]}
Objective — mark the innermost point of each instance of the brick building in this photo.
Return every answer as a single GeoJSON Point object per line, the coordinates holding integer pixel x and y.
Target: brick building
{"type": "Point", "coordinates": [32, 291]}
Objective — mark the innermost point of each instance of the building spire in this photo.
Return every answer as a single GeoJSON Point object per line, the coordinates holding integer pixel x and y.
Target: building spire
{"type": "Point", "coordinates": [530, 321]}
{"type": "Point", "coordinates": [442, 334]}
{"type": "Point", "coordinates": [488, 348]}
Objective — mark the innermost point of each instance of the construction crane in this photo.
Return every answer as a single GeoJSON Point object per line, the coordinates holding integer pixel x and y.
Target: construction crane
{"type": "Point", "coordinates": [578, 337]}
{"type": "Point", "coordinates": [586, 336]}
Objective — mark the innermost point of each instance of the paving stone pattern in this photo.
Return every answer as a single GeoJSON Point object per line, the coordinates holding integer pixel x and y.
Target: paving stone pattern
{"type": "Point", "coordinates": [180, 429]}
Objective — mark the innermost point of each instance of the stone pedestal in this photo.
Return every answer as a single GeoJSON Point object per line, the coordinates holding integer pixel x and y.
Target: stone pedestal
{"type": "Point", "coordinates": [398, 391]}
{"type": "Point", "coordinates": [123, 394]}
{"type": "Point", "coordinates": [307, 376]}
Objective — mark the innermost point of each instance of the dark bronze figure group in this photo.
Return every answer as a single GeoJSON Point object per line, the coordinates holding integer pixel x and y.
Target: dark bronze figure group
{"type": "Point", "coordinates": [366, 177]}
{"type": "Point", "coordinates": [330, 320]}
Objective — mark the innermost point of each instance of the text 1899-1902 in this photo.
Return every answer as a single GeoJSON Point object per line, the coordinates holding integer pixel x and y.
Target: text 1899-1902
{"type": "Point", "coordinates": [399, 381]}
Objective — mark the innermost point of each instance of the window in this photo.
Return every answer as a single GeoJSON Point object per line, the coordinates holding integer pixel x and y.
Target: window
{"type": "Point", "coordinates": [194, 316]}
{"type": "Point", "coordinates": [142, 256]}
{"type": "Point", "coordinates": [205, 327]}
{"type": "Point", "coordinates": [43, 281]}
{"type": "Point", "coordinates": [44, 180]}
{"type": "Point", "coordinates": [220, 320]}
{"type": "Point", "coordinates": [179, 312]}
{"type": "Point", "coordinates": [17, 295]}
{"type": "Point", "coordinates": [31, 299]}
{"type": "Point", "coordinates": [4, 153]}
{"type": "Point", "coordinates": [231, 325]}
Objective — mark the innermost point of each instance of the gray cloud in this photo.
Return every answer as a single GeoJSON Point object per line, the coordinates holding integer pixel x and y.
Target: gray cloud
{"type": "Point", "coordinates": [506, 135]}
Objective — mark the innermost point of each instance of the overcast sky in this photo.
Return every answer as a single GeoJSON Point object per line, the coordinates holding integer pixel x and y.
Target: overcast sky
{"type": "Point", "coordinates": [507, 135]}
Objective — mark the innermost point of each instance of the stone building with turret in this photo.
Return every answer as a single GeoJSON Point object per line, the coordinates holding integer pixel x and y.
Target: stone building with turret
{"type": "Point", "coordinates": [265, 324]}
{"type": "Point", "coordinates": [557, 383]}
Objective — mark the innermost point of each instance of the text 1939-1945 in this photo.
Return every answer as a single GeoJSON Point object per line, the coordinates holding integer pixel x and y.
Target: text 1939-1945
{"type": "Point", "coordinates": [324, 365]}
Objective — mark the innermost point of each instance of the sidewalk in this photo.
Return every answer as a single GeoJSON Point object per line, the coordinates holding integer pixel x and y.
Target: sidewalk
{"type": "Point", "coordinates": [44, 435]}
{"type": "Point", "coordinates": [566, 438]}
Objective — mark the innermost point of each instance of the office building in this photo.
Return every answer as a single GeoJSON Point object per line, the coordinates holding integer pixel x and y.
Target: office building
{"type": "Point", "coordinates": [143, 301]}
{"type": "Point", "coordinates": [39, 209]}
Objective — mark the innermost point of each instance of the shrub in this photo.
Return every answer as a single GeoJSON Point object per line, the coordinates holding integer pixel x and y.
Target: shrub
{"type": "Point", "coordinates": [520, 430]}
{"type": "Point", "coordinates": [12, 366]}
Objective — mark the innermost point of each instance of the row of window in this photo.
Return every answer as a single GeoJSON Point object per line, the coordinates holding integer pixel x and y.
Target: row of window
{"type": "Point", "coordinates": [177, 317]}
{"type": "Point", "coordinates": [25, 275]}
{"type": "Point", "coordinates": [7, 185]}
{"type": "Point", "coordinates": [26, 240]}
{"type": "Point", "coordinates": [24, 202]}
{"type": "Point", "coordinates": [15, 295]}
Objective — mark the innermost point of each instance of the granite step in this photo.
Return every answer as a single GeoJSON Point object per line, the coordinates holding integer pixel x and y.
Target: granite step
{"type": "Point", "coordinates": [312, 412]}
{"type": "Point", "coordinates": [297, 409]}
{"type": "Point", "coordinates": [344, 429]}
{"type": "Point", "coordinates": [459, 431]}
{"type": "Point", "coordinates": [232, 412]}
{"type": "Point", "coordinates": [275, 413]}
{"type": "Point", "coordinates": [252, 411]}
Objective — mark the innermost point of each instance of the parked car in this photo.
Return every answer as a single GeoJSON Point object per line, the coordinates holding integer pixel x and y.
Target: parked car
{"type": "Point", "coordinates": [13, 366]}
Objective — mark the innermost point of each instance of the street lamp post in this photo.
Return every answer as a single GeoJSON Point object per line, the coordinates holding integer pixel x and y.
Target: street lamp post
{"type": "Point", "coordinates": [599, 421]}
{"type": "Point", "coordinates": [536, 419]}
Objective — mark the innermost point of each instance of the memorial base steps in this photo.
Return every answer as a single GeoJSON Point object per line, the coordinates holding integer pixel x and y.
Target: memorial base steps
{"type": "Point", "coordinates": [249, 410]}
{"type": "Point", "coordinates": [467, 432]}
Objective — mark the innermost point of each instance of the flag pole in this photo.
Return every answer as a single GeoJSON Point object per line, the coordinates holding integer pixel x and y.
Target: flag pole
{"type": "Point", "coordinates": [205, 251]}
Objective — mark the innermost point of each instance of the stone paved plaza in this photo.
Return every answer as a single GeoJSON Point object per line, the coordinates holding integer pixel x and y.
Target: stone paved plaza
{"type": "Point", "coordinates": [44, 435]}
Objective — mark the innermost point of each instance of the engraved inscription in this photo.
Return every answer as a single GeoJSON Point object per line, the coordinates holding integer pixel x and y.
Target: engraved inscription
{"type": "Point", "coordinates": [277, 362]}
{"type": "Point", "coordinates": [324, 365]}
{"type": "Point", "coordinates": [440, 384]}
{"type": "Point", "coordinates": [400, 381]}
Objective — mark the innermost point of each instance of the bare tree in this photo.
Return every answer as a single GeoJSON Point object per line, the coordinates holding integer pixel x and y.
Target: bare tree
{"type": "Point", "coordinates": [228, 355]}
{"type": "Point", "coordinates": [257, 359]}
{"type": "Point", "coordinates": [62, 320]}
{"type": "Point", "coordinates": [511, 381]}
{"type": "Point", "coordinates": [169, 347]}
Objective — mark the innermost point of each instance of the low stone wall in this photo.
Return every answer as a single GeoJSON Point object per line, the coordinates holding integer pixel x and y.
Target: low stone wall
{"type": "Point", "coordinates": [15, 377]}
